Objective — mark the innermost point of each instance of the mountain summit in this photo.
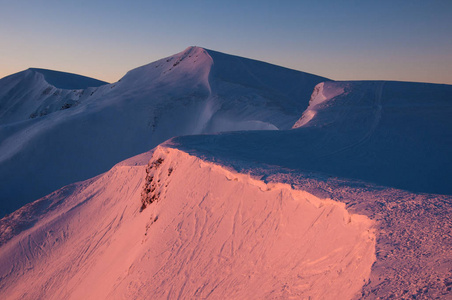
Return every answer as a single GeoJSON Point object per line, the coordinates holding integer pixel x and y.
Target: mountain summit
{"type": "Point", "coordinates": [266, 183]}
{"type": "Point", "coordinates": [52, 136]}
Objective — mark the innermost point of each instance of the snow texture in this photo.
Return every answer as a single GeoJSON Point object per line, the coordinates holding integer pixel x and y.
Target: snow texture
{"type": "Point", "coordinates": [213, 234]}
{"type": "Point", "coordinates": [346, 196]}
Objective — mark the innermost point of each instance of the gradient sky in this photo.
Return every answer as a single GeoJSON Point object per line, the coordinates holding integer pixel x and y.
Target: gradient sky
{"type": "Point", "coordinates": [344, 40]}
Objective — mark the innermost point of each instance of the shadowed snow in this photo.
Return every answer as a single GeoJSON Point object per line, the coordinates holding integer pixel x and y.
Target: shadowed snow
{"type": "Point", "coordinates": [52, 137]}
{"type": "Point", "coordinates": [394, 134]}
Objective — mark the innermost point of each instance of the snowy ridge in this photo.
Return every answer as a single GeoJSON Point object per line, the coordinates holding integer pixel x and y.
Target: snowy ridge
{"type": "Point", "coordinates": [214, 234]}
{"type": "Point", "coordinates": [188, 93]}
{"type": "Point", "coordinates": [192, 63]}
{"type": "Point", "coordinates": [29, 94]}
{"type": "Point", "coordinates": [413, 230]}
{"type": "Point", "coordinates": [352, 201]}
{"type": "Point", "coordinates": [68, 81]}
{"type": "Point", "coordinates": [394, 134]}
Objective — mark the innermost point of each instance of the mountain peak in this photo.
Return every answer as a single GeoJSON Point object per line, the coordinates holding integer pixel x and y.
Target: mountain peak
{"type": "Point", "coordinates": [194, 91]}
{"type": "Point", "coordinates": [194, 63]}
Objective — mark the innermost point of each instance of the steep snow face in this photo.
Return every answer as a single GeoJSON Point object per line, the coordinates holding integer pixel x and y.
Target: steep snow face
{"type": "Point", "coordinates": [215, 233]}
{"type": "Point", "coordinates": [391, 133]}
{"type": "Point", "coordinates": [36, 92]}
{"type": "Point", "coordinates": [191, 92]}
{"type": "Point", "coordinates": [322, 92]}
{"type": "Point", "coordinates": [285, 92]}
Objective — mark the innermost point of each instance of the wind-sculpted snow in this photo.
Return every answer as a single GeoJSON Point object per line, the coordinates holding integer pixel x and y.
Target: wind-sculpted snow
{"type": "Point", "coordinates": [391, 133]}
{"type": "Point", "coordinates": [414, 231]}
{"type": "Point", "coordinates": [210, 233]}
{"type": "Point", "coordinates": [68, 81]}
{"type": "Point", "coordinates": [35, 93]}
{"type": "Point", "coordinates": [322, 92]}
{"type": "Point", "coordinates": [51, 137]}
{"type": "Point", "coordinates": [263, 82]}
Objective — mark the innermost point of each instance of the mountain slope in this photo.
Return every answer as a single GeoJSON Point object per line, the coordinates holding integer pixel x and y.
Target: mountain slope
{"type": "Point", "coordinates": [68, 81]}
{"type": "Point", "coordinates": [353, 135]}
{"type": "Point", "coordinates": [179, 95]}
{"type": "Point", "coordinates": [264, 83]}
{"type": "Point", "coordinates": [214, 234]}
{"type": "Point", "coordinates": [314, 211]}
{"type": "Point", "coordinates": [394, 134]}
{"type": "Point", "coordinates": [218, 233]}
{"type": "Point", "coordinates": [37, 92]}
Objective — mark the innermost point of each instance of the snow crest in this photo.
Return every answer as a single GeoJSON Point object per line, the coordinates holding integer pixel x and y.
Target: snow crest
{"type": "Point", "coordinates": [322, 92]}
{"type": "Point", "coordinates": [215, 233]}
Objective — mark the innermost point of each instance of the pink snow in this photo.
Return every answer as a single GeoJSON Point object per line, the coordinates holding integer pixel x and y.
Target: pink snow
{"type": "Point", "coordinates": [211, 232]}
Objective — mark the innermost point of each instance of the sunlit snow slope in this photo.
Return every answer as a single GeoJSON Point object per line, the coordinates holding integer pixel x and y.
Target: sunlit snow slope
{"type": "Point", "coordinates": [51, 136]}
{"type": "Point", "coordinates": [383, 148]}
{"type": "Point", "coordinates": [208, 233]}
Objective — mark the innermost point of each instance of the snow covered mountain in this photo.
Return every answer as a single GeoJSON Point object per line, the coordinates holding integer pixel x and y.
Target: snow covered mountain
{"type": "Point", "coordinates": [52, 136]}
{"type": "Point", "coordinates": [37, 92]}
{"type": "Point", "coordinates": [349, 199]}
{"type": "Point", "coordinates": [395, 134]}
{"type": "Point", "coordinates": [214, 234]}
{"type": "Point", "coordinates": [353, 136]}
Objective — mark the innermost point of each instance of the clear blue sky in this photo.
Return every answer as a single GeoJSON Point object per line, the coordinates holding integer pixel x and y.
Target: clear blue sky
{"type": "Point", "coordinates": [344, 40]}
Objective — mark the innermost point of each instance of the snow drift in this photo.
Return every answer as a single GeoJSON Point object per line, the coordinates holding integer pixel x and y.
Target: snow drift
{"type": "Point", "coordinates": [215, 233]}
